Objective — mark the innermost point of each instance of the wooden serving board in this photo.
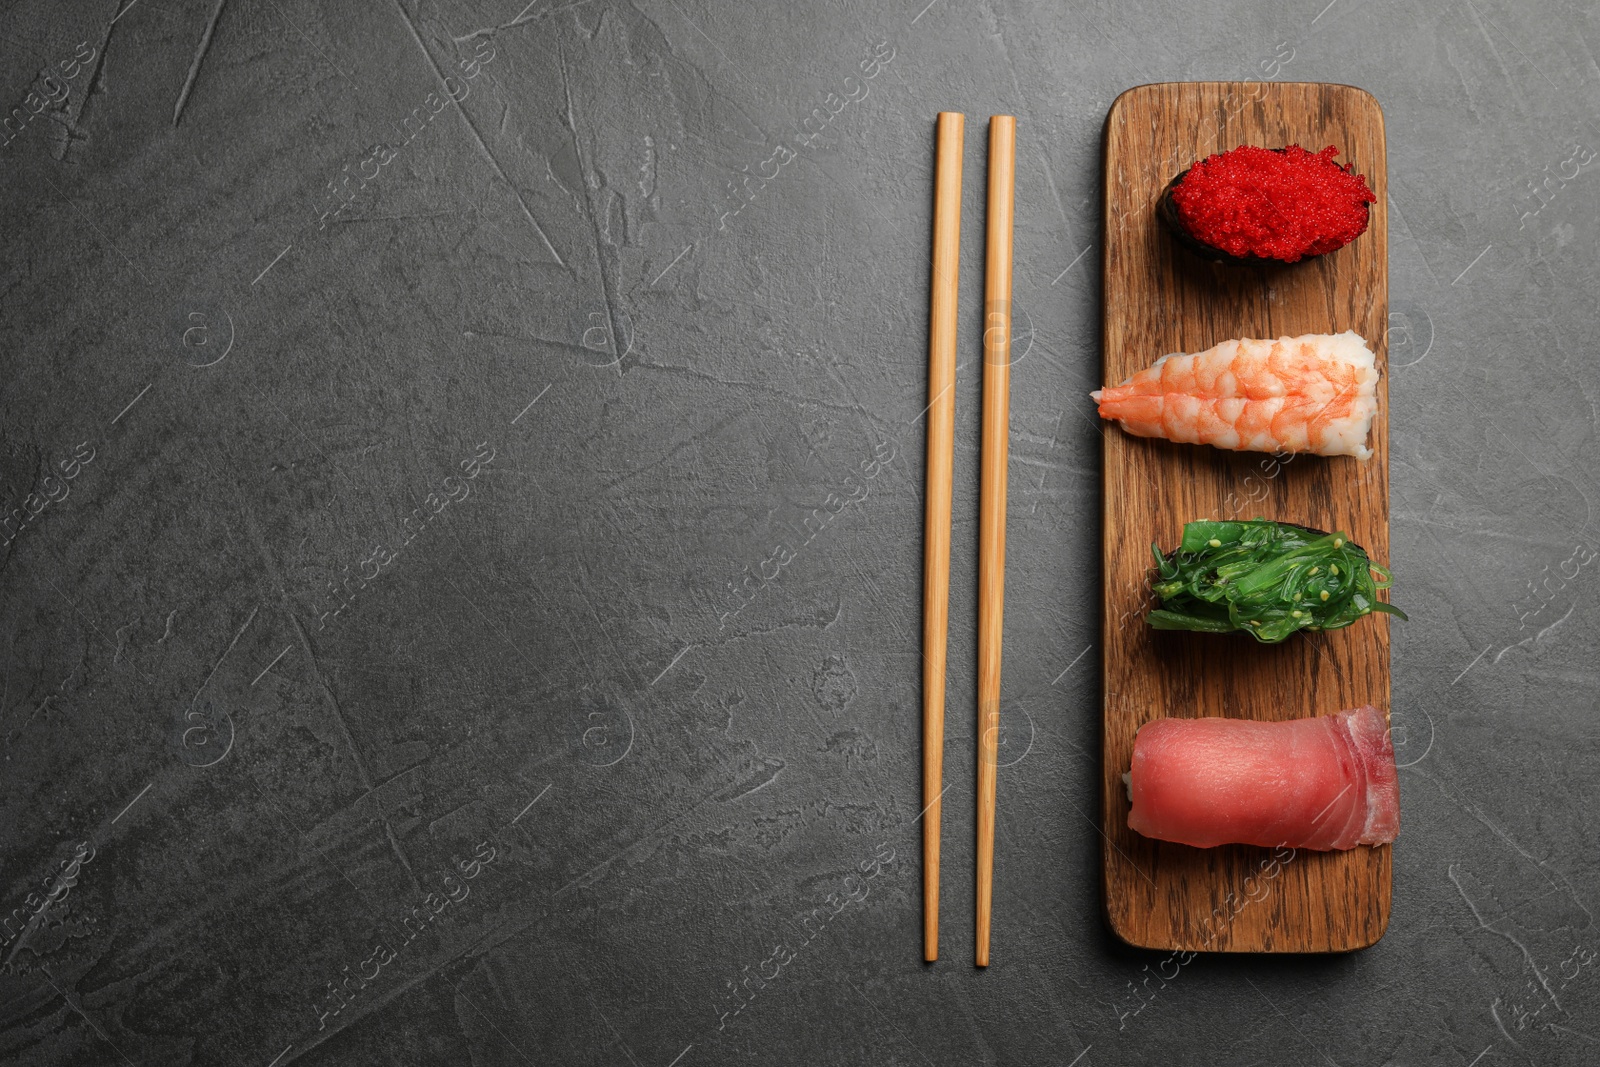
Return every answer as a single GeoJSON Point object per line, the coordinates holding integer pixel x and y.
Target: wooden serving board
{"type": "Point", "coordinates": [1158, 299]}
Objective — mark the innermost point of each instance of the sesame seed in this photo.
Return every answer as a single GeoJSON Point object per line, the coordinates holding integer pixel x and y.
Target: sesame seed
{"type": "Point", "coordinates": [1214, 543]}
{"type": "Point", "coordinates": [1324, 594]}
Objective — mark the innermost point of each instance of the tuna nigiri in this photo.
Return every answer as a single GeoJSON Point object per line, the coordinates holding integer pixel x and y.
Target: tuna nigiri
{"type": "Point", "coordinates": [1315, 393]}
{"type": "Point", "coordinates": [1321, 783]}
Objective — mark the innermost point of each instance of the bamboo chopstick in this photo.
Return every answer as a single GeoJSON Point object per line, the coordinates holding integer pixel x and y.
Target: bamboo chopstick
{"type": "Point", "coordinates": [992, 495]}
{"type": "Point", "coordinates": [941, 461]}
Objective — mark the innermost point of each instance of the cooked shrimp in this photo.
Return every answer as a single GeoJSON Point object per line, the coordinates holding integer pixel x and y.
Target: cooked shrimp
{"type": "Point", "coordinates": [1315, 393]}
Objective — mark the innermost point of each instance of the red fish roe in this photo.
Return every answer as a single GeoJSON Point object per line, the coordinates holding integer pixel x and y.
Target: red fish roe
{"type": "Point", "coordinates": [1281, 204]}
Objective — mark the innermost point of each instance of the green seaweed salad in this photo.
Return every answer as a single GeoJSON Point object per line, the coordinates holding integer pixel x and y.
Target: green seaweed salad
{"type": "Point", "coordinates": [1266, 578]}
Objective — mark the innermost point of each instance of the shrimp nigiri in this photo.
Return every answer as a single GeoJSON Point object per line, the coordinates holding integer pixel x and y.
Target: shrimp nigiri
{"type": "Point", "coordinates": [1315, 393]}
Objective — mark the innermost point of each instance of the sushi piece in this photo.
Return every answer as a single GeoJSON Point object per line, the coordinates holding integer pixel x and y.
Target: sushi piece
{"type": "Point", "coordinates": [1264, 205]}
{"type": "Point", "coordinates": [1268, 579]}
{"type": "Point", "coordinates": [1314, 393]}
{"type": "Point", "coordinates": [1322, 783]}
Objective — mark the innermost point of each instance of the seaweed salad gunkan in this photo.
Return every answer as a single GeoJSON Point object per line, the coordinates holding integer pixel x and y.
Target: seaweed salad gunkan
{"type": "Point", "coordinates": [1265, 578]}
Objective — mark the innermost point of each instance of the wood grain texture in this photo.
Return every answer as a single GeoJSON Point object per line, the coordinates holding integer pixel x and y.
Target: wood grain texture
{"type": "Point", "coordinates": [1158, 299]}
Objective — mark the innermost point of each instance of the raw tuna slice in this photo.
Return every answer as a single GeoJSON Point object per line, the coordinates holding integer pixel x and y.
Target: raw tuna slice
{"type": "Point", "coordinates": [1322, 783]}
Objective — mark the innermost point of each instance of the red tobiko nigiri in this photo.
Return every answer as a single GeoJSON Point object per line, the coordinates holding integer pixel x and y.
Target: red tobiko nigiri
{"type": "Point", "coordinates": [1254, 204]}
{"type": "Point", "coordinates": [1324, 783]}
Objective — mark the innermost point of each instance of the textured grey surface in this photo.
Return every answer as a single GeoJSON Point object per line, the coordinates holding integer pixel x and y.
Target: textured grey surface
{"type": "Point", "coordinates": [635, 695]}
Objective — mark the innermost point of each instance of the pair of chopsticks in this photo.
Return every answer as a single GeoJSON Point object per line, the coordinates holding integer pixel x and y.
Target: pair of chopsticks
{"type": "Point", "coordinates": [992, 499]}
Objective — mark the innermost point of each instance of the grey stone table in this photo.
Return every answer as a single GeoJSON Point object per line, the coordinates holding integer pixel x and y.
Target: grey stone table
{"type": "Point", "coordinates": [460, 588]}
